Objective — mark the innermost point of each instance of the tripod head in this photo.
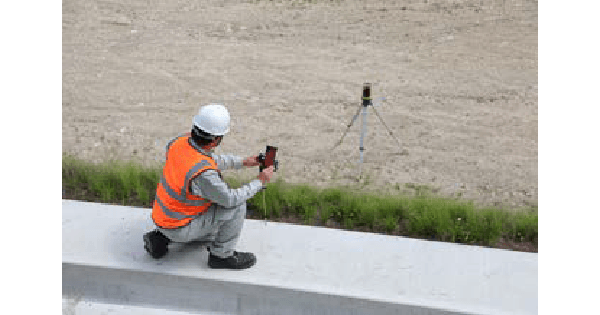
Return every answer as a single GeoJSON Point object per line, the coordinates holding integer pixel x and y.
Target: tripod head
{"type": "Point", "coordinates": [367, 100]}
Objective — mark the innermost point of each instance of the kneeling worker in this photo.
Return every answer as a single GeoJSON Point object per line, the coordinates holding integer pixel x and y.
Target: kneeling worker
{"type": "Point", "coordinates": [193, 203]}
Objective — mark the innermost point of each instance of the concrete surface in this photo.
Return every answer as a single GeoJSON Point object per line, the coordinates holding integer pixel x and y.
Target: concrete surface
{"type": "Point", "coordinates": [300, 270]}
{"type": "Point", "coordinates": [72, 306]}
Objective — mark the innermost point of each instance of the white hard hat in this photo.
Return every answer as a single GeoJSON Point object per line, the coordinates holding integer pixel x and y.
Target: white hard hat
{"type": "Point", "coordinates": [213, 119]}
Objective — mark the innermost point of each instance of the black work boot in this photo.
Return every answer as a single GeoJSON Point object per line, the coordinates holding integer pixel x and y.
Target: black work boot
{"type": "Point", "coordinates": [235, 261]}
{"type": "Point", "coordinates": [156, 243]}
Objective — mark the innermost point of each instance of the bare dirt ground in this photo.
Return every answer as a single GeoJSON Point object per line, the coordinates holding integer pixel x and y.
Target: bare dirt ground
{"type": "Point", "coordinates": [459, 80]}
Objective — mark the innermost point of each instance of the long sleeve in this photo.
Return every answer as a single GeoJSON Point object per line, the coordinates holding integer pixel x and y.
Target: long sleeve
{"type": "Point", "coordinates": [228, 162]}
{"type": "Point", "coordinates": [209, 185]}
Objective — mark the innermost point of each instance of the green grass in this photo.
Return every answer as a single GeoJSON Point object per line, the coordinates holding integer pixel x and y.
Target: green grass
{"type": "Point", "coordinates": [420, 215]}
{"type": "Point", "coordinates": [113, 182]}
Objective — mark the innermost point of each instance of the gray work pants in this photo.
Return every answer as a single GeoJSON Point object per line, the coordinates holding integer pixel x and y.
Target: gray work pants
{"type": "Point", "coordinates": [220, 227]}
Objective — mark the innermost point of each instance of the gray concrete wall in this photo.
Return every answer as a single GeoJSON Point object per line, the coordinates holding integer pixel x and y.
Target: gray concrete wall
{"type": "Point", "coordinates": [300, 270]}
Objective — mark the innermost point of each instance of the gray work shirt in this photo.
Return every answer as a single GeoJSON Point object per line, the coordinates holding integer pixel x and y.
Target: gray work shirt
{"type": "Point", "coordinates": [209, 185]}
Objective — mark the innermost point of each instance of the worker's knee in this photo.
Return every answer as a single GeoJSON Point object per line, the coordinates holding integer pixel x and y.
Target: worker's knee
{"type": "Point", "coordinates": [239, 210]}
{"type": "Point", "coordinates": [226, 214]}
{"type": "Point", "coordinates": [243, 209]}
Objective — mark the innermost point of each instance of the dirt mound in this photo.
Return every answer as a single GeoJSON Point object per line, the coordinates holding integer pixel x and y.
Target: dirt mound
{"type": "Point", "coordinates": [459, 81]}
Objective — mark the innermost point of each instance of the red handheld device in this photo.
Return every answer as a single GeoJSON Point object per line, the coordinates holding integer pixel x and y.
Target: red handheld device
{"type": "Point", "coordinates": [268, 158]}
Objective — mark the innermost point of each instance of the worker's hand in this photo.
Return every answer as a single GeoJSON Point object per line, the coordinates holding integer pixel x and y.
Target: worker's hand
{"type": "Point", "coordinates": [251, 161]}
{"type": "Point", "coordinates": [266, 175]}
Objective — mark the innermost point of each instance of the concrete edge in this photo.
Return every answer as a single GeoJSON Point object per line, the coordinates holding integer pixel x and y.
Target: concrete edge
{"type": "Point", "coordinates": [142, 289]}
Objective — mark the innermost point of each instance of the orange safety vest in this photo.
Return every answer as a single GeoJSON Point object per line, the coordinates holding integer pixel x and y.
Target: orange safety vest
{"type": "Point", "coordinates": [174, 205]}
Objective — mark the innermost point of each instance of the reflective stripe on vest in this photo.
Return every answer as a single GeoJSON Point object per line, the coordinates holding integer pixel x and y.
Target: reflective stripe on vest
{"type": "Point", "coordinates": [190, 173]}
{"type": "Point", "coordinates": [172, 214]}
{"type": "Point", "coordinates": [173, 194]}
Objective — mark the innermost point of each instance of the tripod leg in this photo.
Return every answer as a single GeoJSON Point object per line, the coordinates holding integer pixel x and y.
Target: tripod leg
{"type": "Point", "coordinates": [349, 125]}
{"type": "Point", "coordinates": [363, 132]}
{"type": "Point", "coordinates": [403, 151]}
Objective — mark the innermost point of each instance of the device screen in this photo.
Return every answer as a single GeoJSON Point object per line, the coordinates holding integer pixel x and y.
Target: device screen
{"type": "Point", "coordinates": [270, 155]}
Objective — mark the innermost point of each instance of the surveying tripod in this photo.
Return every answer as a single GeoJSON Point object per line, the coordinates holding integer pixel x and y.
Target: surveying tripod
{"type": "Point", "coordinates": [366, 102]}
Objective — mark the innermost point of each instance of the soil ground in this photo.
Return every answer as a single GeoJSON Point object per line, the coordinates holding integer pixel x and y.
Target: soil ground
{"type": "Point", "coordinates": [459, 80]}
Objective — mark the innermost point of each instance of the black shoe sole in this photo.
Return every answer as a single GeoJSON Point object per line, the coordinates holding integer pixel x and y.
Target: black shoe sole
{"type": "Point", "coordinates": [148, 248]}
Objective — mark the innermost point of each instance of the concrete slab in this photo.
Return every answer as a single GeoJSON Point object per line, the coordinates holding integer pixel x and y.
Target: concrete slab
{"type": "Point", "coordinates": [74, 306]}
{"type": "Point", "coordinates": [300, 270]}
